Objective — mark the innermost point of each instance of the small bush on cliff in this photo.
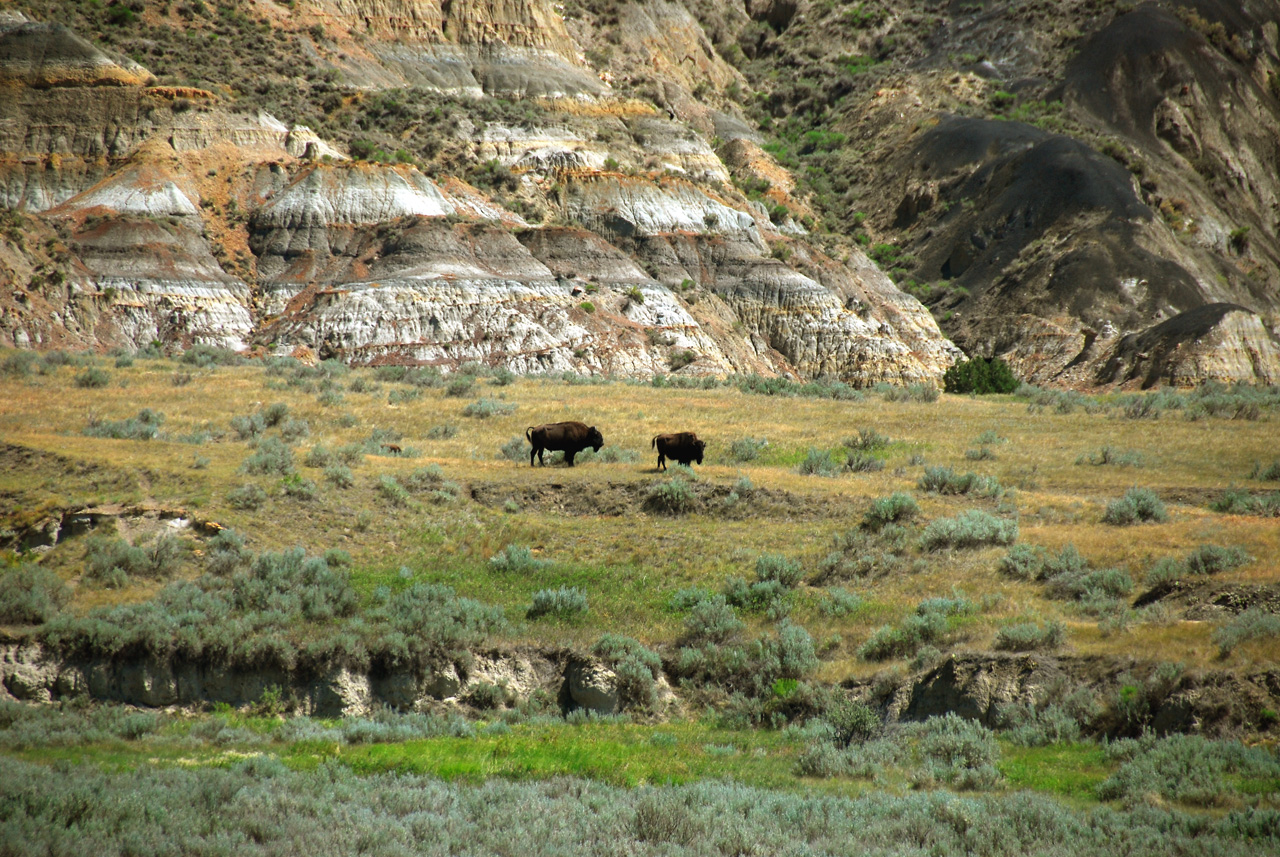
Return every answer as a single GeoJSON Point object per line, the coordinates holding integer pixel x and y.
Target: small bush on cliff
{"type": "Point", "coordinates": [980, 376]}
{"type": "Point", "coordinates": [1030, 636]}
{"type": "Point", "coordinates": [31, 595]}
{"type": "Point", "coordinates": [111, 561]}
{"type": "Point", "coordinates": [636, 666]}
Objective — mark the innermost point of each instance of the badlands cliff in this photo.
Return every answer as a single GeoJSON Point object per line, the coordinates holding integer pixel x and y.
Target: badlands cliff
{"type": "Point", "coordinates": [160, 215]}
{"type": "Point", "coordinates": [637, 187]}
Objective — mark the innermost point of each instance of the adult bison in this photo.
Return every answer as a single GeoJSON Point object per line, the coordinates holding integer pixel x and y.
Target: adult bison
{"type": "Point", "coordinates": [681, 446]}
{"type": "Point", "coordinates": [571, 437]}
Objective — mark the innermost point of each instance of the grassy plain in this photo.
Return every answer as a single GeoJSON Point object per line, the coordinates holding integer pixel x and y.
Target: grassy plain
{"type": "Point", "coordinates": [591, 523]}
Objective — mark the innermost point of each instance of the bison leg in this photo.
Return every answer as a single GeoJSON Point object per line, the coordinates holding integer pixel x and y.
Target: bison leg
{"type": "Point", "coordinates": [662, 461]}
{"type": "Point", "coordinates": [568, 456]}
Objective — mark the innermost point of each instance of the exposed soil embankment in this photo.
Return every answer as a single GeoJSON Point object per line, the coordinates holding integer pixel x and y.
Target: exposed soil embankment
{"type": "Point", "coordinates": [1125, 696]}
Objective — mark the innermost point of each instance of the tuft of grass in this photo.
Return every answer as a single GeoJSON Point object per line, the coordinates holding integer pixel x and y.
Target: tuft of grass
{"type": "Point", "coordinates": [1136, 506]}
{"type": "Point", "coordinates": [565, 602]}
{"type": "Point", "coordinates": [972, 528]}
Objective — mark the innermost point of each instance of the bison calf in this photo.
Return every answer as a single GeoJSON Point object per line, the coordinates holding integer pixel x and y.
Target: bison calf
{"type": "Point", "coordinates": [681, 446]}
{"type": "Point", "coordinates": [571, 437]}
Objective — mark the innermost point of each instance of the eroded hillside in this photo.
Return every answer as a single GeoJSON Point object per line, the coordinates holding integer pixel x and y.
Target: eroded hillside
{"type": "Point", "coordinates": [1087, 189]}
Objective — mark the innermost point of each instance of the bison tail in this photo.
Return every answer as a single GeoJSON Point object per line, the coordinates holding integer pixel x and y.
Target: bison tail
{"type": "Point", "coordinates": [653, 444]}
{"type": "Point", "coordinates": [528, 434]}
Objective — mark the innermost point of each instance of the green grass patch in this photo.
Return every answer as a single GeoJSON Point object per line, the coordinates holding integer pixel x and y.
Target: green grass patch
{"type": "Point", "coordinates": [1072, 771]}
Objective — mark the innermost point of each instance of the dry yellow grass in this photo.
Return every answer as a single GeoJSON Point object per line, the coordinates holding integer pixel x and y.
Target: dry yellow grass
{"type": "Point", "coordinates": [630, 561]}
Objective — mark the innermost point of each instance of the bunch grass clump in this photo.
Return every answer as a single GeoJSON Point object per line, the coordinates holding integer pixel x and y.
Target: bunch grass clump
{"type": "Point", "coordinates": [564, 602]}
{"type": "Point", "coordinates": [145, 426]}
{"type": "Point", "coordinates": [892, 509]}
{"type": "Point", "coordinates": [972, 528]}
{"type": "Point", "coordinates": [1030, 636]}
{"type": "Point", "coordinates": [516, 559]}
{"type": "Point", "coordinates": [1136, 506]}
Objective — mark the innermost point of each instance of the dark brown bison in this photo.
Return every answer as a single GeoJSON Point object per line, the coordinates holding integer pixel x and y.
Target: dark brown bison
{"type": "Point", "coordinates": [571, 437]}
{"type": "Point", "coordinates": [681, 446]}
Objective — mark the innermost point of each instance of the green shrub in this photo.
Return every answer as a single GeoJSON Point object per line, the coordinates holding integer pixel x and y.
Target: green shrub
{"type": "Point", "coordinates": [226, 554]}
{"type": "Point", "coordinates": [972, 528]}
{"type": "Point", "coordinates": [674, 496]}
{"type": "Point", "coordinates": [443, 431]}
{"type": "Point", "coordinates": [403, 396]}
{"type": "Point", "coordinates": [350, 453]}
{"type": "Point", "coordinates": [292, 431]}
{"type": "Point", "coordinates": [1188, 769]}
{"type": "Point", "coordinates": [840, 602]}
{"type": "Point", "coordinates": [818, 462]}
{"type": "Point", "coordinates": [746, 448]}
{"type": "Point", "coordinates": [111, 561]}
{"type": "Point", "coordinates": [247, 427]}
{"type": "Point", "coordinates": [713, 619]}
{"type": "Point", "coordinates": [1253, 624]}
{"type": "Point", "coordinates": [862, 553]}
{"type": "Point", "coordinates": [981, 376]}
{"type": "Point", "coordinates": [853, 721]}
{"type": "Point", "coordinates": [1030, 636]}
{"type": "Point", "coordinates": [31, 595]}
{"type": "Point", "coordinates": [1270, 473]}
{"type": "Point", "coordinates": [1024, 562]}
{"type": "Point", "coordinates": [271, 456]}
{"type": "Point", "coordinates": [1107, 456]}
{"type": "Point", "coordinates": [775, 567]}
{"type": "Point", "coordinates": [339, 475]}
{"type": "Point", "coordinates": [145, 426]}
{"type": "Point", "coordinates": [488, 696]}
{"type": "Point", "coordinates": [1204, 560]}
{"type": "Point", "coordinates": [392, 490]}
{"type": "Point", "coordinates": [1233, 501]}
{"type": "Point", "coordinates": [954, 751]}
{"type": "Point", "coordinates": [318, 456]}
{"type": "Point", "coordinates": [861, 462]}
{"type": "Point", "coordinates": [636, 666]}
{"type": "Point", "coordinates": [867, 440]}
{"type": "Point", "coordinates": [298, 487]}
{"type": "Point", "coordinates": [247, 497]}
{"type": "Point", "coordinates": [516, 559]}
{"type": "Point", "coordinates": [902, 640]}
{"type": "Point", "coordinates": [896, 507]}
{"type": "Point", "coordinates": [516, 449]}
{"type": "Point", "coordinates": [944, 480]}
{"type": "Point", "coordinates": [1137, 504]}
{"type": "Point", "coordinates": [93, 378]}
{"type": "Point", "coordinates": [459, 385]}
{"type": "Point", "coordinates": [485, 408]}
{"type": "Point", "coordinates": [565, 602]}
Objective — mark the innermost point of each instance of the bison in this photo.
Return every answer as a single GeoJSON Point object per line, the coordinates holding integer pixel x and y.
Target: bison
{"type": "Point", "coordinates": [681, 446]}
{"type": "Point", "coordinates": [571, 437]}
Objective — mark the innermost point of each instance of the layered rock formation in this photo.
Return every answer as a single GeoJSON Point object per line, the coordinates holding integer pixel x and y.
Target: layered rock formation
{"type": "Point", "coordinates": [205, 225]}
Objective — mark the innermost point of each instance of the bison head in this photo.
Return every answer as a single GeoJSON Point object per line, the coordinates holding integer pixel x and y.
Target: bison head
{"type": "Point", "coordinates": [595, 440]}
{"type": "Point", "coordinates": [699, 445]}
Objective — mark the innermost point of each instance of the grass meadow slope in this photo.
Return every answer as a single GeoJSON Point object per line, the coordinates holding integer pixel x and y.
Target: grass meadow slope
{"type": "Point", "coordinates": [833, 544]}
